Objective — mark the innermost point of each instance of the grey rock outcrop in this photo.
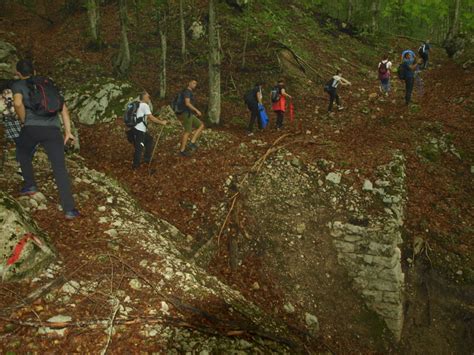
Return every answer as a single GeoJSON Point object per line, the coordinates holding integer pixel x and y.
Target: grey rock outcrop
{"type": "Point", "coordinates": [100, 101]}
{"type": "Point", "coordinates": [8, 59]}
{"type": "Point", "coordinates": [20, 236]}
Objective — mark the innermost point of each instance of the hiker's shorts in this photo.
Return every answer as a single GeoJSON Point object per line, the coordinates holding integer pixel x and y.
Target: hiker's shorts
{"type": "Point", "coordinates": [190, 122]}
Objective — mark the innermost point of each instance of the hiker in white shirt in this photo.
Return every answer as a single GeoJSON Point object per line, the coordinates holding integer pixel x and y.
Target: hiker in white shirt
{"type": "Point", "coordinates": [331, 89]}
{"type": "Point", "coordinates": [141, 138]}
{"type": "Point", "coordinates": [384, 72]}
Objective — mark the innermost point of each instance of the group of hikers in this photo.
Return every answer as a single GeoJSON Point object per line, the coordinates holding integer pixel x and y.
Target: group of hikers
{"type": "Point", "coordinates": [31, 106]}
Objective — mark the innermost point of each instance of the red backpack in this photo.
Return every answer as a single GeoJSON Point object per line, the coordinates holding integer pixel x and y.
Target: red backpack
{"type": "Point", "coordinates": [383, 71]}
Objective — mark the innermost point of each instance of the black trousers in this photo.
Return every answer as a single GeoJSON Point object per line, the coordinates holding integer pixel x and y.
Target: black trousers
{"type": "Point", "coordinates": [409, 83]}
{"type": "Point", "coordinates": [279, 120]}
{"type": "Point", "coordinates": [142, 140]}
{"type": "Point", "coordinates": [254, 116]}
{"type": "Point", "coordinates": [333, 96]}
{"type": "Point", "coordinates": [52, 141]}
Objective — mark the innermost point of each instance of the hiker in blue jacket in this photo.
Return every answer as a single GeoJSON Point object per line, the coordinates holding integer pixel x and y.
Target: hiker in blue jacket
{"type": "Point", "coordinates": [408, 56]}
{"type": "Point", "coordinates": [408, 68]}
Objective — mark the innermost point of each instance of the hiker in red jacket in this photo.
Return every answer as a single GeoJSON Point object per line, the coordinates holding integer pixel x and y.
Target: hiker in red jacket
{"type": "Point", "coordinates": [278, 96]}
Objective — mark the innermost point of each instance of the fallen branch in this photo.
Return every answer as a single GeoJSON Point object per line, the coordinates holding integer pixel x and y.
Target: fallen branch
{"type": "Point", "coordinates": [111, 327]}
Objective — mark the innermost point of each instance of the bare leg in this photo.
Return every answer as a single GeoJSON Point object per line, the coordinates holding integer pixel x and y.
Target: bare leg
{"type": "Point", "coordinates": [197, 134]}
{"type": "Point", "coordinates": [184, 140]}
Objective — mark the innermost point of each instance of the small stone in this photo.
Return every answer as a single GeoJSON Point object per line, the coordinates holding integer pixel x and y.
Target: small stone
{"type": "Point", "coordinates": [33, 203]}
{"type": "Point", "coordinates": [135, 284]}
{"type": "Point", "coordinates": [112, 233]}
{"type": "Point", "coordinates": [335, 178]}
{"type": "Point", "coordinates": [367, 186]}
{"type": "Point", "coordinates": [255, 286]}
{"type": "Point", "coordinates": [39, 197]}
{"type": "Point", "coordinates": [300, 228]}
{"type": "Point", "coordinates": [289, 308]}
{"type": "Point", "coordinates": [101, 208]}
{"type": "Point", "coordinates": [312, 323]}
{"type": "Point", "coordinates": [42, 207]}
{"type": "Point", "coordinates": [189, 238]}
{"type": "Point", "coordinates": [110, 199]}
{"type": "Point", "coordinates": [320, 182]}
{"type": "Point", "coordinates": [164, 307]}
{"type": "Point", "coordinates": [59, 319]}
{"type": "Point", "coordinates": [296, 163]}
{"type": "Point", "coordinates": [472, 169]}
{"type": "Point", "coordinates": [459, 272]}
{"type": "Point", "coordinates": [71, 287]}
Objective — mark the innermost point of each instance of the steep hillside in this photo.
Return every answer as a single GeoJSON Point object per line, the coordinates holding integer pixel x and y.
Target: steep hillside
{"type": "Point", "coordinates": [277, 242]}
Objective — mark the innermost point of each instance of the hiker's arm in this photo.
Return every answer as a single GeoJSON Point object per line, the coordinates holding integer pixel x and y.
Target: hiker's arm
{"type": "Point", "coordinates": [284, 93]}
{"type": "Point", "coordinates": [345, 82]}
{"type": "Point", "coordinates": [67, 125]}
{"type": "Point", "coordinates": [157, 120]}
{"type": "Point", "coordinates": [188, 104]}
{"type": "Point", "coordinates": [19, 107]}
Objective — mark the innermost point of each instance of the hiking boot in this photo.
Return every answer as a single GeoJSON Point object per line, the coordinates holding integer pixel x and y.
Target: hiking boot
{"type": "Point", "coordinates": [28, 191]}
{"type": "Point", "coordinates": [69, 215]}
{"type": "Point", "coordinates": [185, 153]}
{"type": "Point", "coordinates": [192, 146]}
{"type": "Point", "coordinates": [340, 108]}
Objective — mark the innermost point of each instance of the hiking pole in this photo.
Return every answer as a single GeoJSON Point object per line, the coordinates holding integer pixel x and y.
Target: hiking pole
{"type": "Point", "coordinates": [154, 149]}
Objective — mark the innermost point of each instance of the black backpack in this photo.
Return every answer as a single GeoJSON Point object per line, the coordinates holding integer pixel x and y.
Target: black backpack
{"type": "Point", "coordinates": [276, 94]}
{"type": "Point", "coordinates": [44, 96]}
{"type": "Point", "coordinates": [402, 72]}
{"type": "Point", "coordinates": [130, 117]}
{"type": "Point", "coordinates": [328, 86]}
{"type": "Point", "coordinates": [250, 98]}
{"type": "Point", "coordinates": [178, 103]}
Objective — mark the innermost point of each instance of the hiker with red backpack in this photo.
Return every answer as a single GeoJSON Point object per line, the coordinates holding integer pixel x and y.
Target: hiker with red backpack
{"type": "Point", "coordinates": [331, 88]}
{"type": "Point", "coordinates": [384, 71]}
{"type": "Point", "coordinates": [278, 97]}
{"type": "Point", "coordinates": [38, 102]}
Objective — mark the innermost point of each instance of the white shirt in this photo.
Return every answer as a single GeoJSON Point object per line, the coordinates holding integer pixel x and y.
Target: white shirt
{"type": "Point", "coordinates": [143, 111]}
{"type": "Point", "coordinates": [387, 63]}
{"type": "Point", "coordinates": [336, 80]}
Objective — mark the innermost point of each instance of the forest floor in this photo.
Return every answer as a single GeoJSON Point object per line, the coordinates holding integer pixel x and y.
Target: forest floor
{"type": "Point", "coordinates": [363, 136]}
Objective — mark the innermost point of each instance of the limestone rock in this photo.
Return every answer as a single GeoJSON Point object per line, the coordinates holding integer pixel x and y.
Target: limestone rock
{"type": "Point", "coordinates": [8, 59]}
{"type": "Point", "coordinates": [16, 226]}
{"type": "Point", "coordinates": [367, 186]}
{"type": "Point", "coordinates": [312, 323]}
{"type": "Point", "coordinates": [335, 178]}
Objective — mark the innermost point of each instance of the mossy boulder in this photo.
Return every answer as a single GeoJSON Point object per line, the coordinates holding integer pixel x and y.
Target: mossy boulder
{"type": "Point", "coordinates": [100, 101]}
{"type": "Point", "coordinates": [24, 248]}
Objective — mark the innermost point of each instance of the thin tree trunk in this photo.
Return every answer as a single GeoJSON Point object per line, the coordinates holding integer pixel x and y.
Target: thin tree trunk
{"type": "Point", "coordinates": [454, 28]}
{"type": "Point", "coordinates": [214, 66]}
{"type": "Point", "coordinates": [163, 40]}
{"type": "Point", "coordinates": [244, 50]}
{"type": "Point", "coordinates": [93, 13]}
{"type": "Point", "coordinates": [375, 9]}
{"type": "Point", "coordinates": [350, 11]}
{"type": "Point", "coordinates": [122, 63]}
{"type": "Point", "coordinates": [183, 31]}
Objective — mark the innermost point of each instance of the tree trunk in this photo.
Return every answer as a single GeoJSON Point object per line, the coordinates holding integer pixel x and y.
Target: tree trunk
{"type": "Point", "coordinates": [93, 13]}
{"type": "Point", "coordinates": [375, 9]}
{"type": "Point", "coordinates": [122, 62]}
{"type": "Point", "coordinates": [244, 50]}
{"type": "Point", "coordinates": [214, 66]}
{"type": "Point", "coordinates": [163, 41]}
{"type": "Point", "coordinates": [350, 11]}
{"type": "Point", "coordinates": [454, 28]}
{"type": "Point", "coordinates": [183, 31]}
